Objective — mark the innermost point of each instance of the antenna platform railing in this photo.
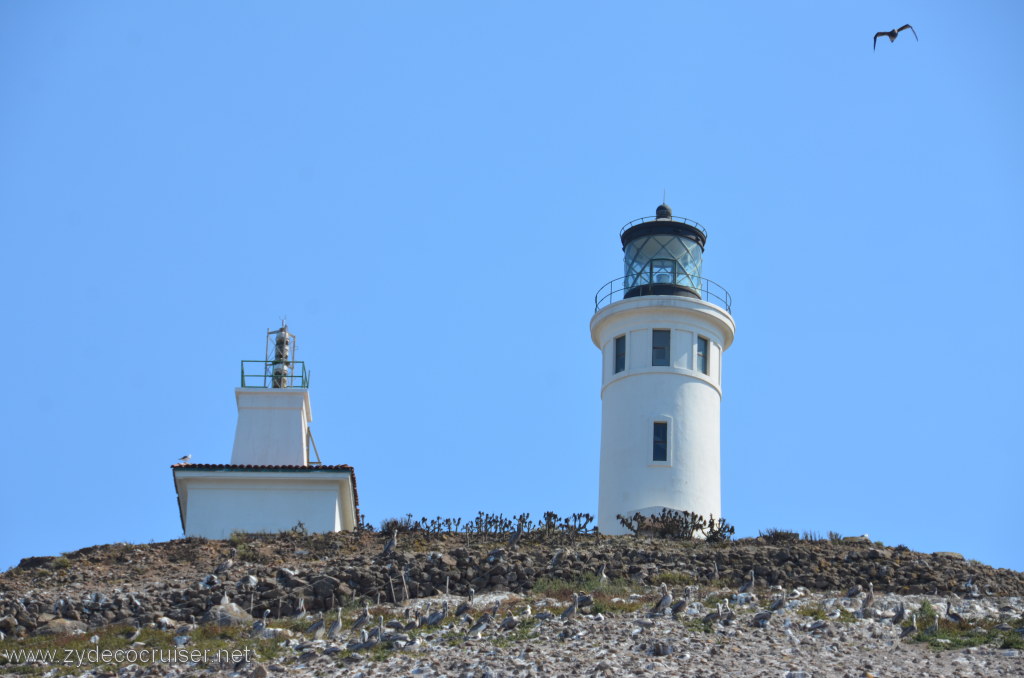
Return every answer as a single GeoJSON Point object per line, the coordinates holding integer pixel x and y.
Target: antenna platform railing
{"type": "Point", "coordinates": [274, 374]}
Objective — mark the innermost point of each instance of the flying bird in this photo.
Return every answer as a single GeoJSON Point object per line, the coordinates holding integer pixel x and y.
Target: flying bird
{"type": "Point", "coordinates": [893, 33]}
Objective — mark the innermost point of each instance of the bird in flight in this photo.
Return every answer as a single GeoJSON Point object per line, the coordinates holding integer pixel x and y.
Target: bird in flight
{"type": "Point", "coordinates": [893, 33]}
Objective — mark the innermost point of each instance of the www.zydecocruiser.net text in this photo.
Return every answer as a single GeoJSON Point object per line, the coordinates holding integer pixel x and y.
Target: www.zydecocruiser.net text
{"type": "Point", "coordinates": [145, 655]}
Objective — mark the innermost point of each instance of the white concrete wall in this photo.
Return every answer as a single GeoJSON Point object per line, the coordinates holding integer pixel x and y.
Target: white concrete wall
{"type": "Point", "coordinates": [217, 503]}
{"type": "Point", "coordinates": [678, 394]}
{"type": "Point", "coordinates": [272, 427]}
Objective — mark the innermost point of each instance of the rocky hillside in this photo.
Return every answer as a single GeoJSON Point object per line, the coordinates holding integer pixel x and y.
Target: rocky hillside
{"type": "Point", "coordinates": [136, 583]}
{"type": "Point", "coordinates": [316, 605]}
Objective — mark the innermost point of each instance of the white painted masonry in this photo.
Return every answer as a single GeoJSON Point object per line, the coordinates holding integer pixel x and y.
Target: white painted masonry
{"type": "Point", "coordinates": [272, 426]}
{"type": "Point", "coordinates": [214, 502]}
{"type": "Point", "coordinates": [687, 400]}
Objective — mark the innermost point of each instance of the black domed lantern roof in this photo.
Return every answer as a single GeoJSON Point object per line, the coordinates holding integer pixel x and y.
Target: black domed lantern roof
{"type": "Point", "coordinates": [663, 254]}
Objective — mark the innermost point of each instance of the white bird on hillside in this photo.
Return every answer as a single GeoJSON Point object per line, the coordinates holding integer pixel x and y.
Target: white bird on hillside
{"type": "Point", "coordinates": [439, 616]}
{"type": "Point", "coordinates": [869, 599]}
{"type": "Point", "coordinates": [335, 628]}
{"type": "Point", "coordinates": [260, 624]}
{"type": "Point", "coordinates": [316, 629]}
{"type": "Point", "coordinates": [477, 630]}
{"type": "Point", "coordinates": [465, 605]}
{"type": "Point", "coordinates": [392, 543]}
{"type": "Point", "coordinates": [513, 542]}
{"type": "Point", "coordinates": [363, 619]}
{"type": "Point", "coordinates": [748, 585]}
{"type": "Point", "coordinates": [910, 629]}
{"type": "Point", "coordinates": [509, 622]}
{"type": "Point", "coordinates": [664, 602]}
{"type": "Point", "coordinates": [571, 610]}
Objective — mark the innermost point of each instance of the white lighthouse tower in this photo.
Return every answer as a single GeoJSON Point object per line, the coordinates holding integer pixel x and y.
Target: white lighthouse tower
{"type": "Point", "coordinates": [662, 330]}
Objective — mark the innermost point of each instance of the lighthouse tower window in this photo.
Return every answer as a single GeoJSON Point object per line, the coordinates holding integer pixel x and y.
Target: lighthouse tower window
{"type": "Point", "coordinates": [620, 354]}
{"type": "Point", "coordinates": [660, 441]}
{"type": "Point", "coordinates": [702, 355]}
{"type": "Point", "coordinates": [660, 347]}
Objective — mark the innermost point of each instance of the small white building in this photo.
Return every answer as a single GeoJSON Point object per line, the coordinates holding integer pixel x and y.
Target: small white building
{"type": "Point", "coordinates": [662, 330]}
{"type": "Point", "coordinates": [272, 484]}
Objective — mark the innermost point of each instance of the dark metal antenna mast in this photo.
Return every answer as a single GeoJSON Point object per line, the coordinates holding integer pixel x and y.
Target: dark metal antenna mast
{"type": "Point", "coordinates": [280, 352]}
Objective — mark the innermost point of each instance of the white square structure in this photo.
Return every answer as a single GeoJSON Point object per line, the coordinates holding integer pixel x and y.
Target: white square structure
{"type": "Point", "coordinates": [216, 500]}
{"type": "Point", "coordinates": [271, 484]}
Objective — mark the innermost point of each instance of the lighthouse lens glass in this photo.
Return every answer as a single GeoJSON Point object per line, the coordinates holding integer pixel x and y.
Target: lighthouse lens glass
{"type": "Point", "coordinates": [663, 259]}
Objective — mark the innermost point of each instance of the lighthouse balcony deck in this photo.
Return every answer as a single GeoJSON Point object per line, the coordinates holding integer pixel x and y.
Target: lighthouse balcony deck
{"type": "Point", "coordinates": [683, 285]}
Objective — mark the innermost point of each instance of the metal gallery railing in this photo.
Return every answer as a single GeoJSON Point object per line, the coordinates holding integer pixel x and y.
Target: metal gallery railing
{"type": "Point", "coordinates": [274, 374]}
{"type": "Point", "coordinates": [680, 220]}
{"type": "Point", "coordinates": [644, 285]}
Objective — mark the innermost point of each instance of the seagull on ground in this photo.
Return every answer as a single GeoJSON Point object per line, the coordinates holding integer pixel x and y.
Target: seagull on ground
{"type": "Point", "coordinates": [664, 602]}
{"type": "Point", "coordinates": [910, 629]}
{"type": "Point", "coordinates": [389, 548]}
{"type": "Point", "coordinates": [573, 607]}
{"type": "Point", "coordinates": [901, 612]}
{"type": "Point", "coordinates": [748, 585]}
{"type": "Point", "coordinates": [363, 619]}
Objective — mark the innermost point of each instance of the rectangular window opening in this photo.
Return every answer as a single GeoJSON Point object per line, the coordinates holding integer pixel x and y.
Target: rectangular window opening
{"type": "Point", "coordinates": [620, 354]}
{"type": "Point", "coordinates": [660, 347]}
{"type": "Point", "coordinates": [702, 355]}
{"type": "Point", "coordinates": [660, 441]}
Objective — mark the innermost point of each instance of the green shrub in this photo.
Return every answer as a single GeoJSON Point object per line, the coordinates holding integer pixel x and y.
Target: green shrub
{"type": "Point", "coordinates": [775, 536]}
{"type": "Point", "coordinates": [673, 578]}
{"type": "Point", "coordinates": [673, 524]}
{"type": "Point", "coordinates": [404, 524]}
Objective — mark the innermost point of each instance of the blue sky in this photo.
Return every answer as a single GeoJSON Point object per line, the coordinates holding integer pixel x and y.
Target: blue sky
{"type": "Point", "coordinates": [432, 194]}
